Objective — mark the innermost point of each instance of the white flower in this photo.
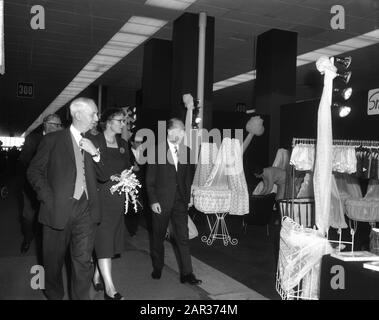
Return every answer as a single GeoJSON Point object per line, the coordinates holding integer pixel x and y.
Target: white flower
{"type": "Point", "coordinates": [127, 183]}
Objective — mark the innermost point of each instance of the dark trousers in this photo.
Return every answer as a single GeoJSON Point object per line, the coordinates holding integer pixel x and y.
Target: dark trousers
{"type": "Point", "coordinates": [179, 221]}
{"type": "Point", "coordinates": [79, 235]}
{"type": "Point", "coordinates": [29, 214]}
{"type": "Point", "coordinates": [132, 220]}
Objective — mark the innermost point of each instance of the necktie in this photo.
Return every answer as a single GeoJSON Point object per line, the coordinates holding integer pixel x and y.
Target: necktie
{"type": "Point", "coordinates": [82, 150]}
{"type": "Point", "coordinates": [176, 160]}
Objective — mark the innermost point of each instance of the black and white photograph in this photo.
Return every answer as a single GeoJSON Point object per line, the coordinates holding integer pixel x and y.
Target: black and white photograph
{"type": "Point", "coordinates": [189, 157]}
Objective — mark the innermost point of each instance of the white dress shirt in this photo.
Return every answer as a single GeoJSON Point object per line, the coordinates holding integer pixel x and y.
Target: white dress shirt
{"type": "Point", "coordinates": [76, 134]}
{"type": "Point", "coordinates": [77, 137]}
{"type": "Point", "coordinates": [173, 153]}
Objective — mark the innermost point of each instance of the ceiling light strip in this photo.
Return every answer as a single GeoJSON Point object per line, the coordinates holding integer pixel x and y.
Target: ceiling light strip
{"type": "Point", "coordinates": [170, 4]}
{"type": "Point", "coordinates": [132, 34]}
{"type": "Point", "coordinates": [336, 49]}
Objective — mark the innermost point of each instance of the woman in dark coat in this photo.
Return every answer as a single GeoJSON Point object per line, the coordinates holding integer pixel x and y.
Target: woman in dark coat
{"type": "Point", "coordinates": [110, 234]}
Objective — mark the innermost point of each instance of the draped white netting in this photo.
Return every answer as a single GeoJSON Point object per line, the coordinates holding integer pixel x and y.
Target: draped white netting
{"type": "Point", "coordinates": [301, 250]}
{"type": "Point", "coordinates": [322, 181]}
{"type": "Point", "coordinates": [220, 179]}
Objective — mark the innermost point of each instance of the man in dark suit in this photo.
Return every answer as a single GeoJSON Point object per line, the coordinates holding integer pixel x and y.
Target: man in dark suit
{"type": "Point", "coordinates": [63, 173]}
{"type": "Point", "coordinates": [168, 184]}
{"type": "Point", "coordinates": [30, 204]}
{"type": "Point", "coordinates": [136, 153]}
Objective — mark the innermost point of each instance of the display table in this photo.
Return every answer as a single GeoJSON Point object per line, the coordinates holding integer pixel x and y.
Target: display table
{"type": "Point", "coordinates": [360, 283]}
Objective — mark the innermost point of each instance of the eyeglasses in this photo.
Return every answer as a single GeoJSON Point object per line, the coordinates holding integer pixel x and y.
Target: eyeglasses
{"type": "Point", "coordinates": [120, 120]}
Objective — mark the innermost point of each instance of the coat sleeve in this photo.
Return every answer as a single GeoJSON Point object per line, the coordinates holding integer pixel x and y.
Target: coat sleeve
{"type": "Point", "coordinates": [27, 151]}
{"type": "Point", "coordinates": [37, 171]}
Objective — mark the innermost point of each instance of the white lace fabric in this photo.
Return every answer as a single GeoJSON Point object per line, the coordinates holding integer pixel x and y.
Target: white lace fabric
{"type": "Point", "coordinates": [344, 158]}
{"type": "Point", "coordinates": [223, 173]}
{"type": "Point", "coordinates": [302, 157]}
{"type": "Point", "coordinates": [300, 254]}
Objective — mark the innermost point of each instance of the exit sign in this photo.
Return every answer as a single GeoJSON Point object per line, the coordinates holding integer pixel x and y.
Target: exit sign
{"type": "Point", "coordinates": [25, 90]}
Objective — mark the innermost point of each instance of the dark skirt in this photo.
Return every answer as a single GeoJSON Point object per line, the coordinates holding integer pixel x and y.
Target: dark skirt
{"type": "Point", "coordinates": [110, 234]}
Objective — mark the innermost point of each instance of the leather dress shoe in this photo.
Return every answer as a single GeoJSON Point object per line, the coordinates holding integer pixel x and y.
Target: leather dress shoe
{"type": "Point", "coordinates": [116, 296]}
{"type": "Point", "coordinates": [156, 274]}
{"type": "Point", "coordinates": [25, 246]}
{"type": "Point", "coordinates": [190, 278]}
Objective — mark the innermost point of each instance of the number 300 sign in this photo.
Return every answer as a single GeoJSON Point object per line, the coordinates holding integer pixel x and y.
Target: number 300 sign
{"type": "Point", "coordinates": [25, 90]}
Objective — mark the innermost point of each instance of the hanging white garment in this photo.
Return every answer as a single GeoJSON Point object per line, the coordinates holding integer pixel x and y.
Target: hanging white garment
{"type": "Point", "coordinates": [337, 208]}
{"type": "Point", "coordinates": [302, 157]}
{"type": "Point", "coordinates": [348, 186]}
{"type": "Point", "coordinates": [344, 159]}
{"type": "Point", "coordinates": [306, 188]}
{"type": "Point", "coordinates": [323, 165]}
{"type": "Point", "coordinates": [282, 159]}
{"type": "Point", "coordinates": [372, 190]}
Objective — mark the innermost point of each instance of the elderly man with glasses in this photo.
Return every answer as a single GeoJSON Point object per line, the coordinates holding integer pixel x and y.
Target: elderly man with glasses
{"type": "Point", "coordinates": [52, 123]}
{"type": "Point", "coordinates": [29, 202]}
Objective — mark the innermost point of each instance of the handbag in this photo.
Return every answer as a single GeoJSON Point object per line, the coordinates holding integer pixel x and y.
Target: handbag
{"type": "Point", "coordinates": [192, 230]}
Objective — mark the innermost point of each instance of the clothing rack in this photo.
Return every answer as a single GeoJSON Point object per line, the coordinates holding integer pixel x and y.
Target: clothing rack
{"type": "Point", "coordinates": [336, 142]}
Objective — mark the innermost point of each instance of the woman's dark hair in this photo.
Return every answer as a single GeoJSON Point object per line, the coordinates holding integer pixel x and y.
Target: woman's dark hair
{"type": "Point", "coordinates": [109, 114]}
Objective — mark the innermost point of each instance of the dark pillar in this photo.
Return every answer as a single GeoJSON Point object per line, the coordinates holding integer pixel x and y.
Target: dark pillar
{"type": "Point", "coordinates": [155, 100]}
{"type": "Point", "coordinates": [185, 40]}
{"type": "Point", "coordinates": [92, 92]}
{"type": "Point", "coordinates": [276, 79]}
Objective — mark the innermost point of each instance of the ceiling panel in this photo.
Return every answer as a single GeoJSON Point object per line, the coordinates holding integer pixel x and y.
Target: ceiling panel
{"type": "Point", "coordinates": [77, 29]}
{"type": "Point", "coordinates": [259, 21]}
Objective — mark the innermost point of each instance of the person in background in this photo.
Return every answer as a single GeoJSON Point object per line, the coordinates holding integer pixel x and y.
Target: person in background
{"type": "Point", "coordinates": [29, 201]}
{"type": "Point", "coordinates": [136, 153]}
{"type": "Point", "coordinates": [109, 240]}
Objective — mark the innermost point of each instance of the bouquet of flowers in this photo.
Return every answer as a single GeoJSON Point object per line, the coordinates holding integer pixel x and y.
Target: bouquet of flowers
{"type": "Point", "coordinates": [128, 183]}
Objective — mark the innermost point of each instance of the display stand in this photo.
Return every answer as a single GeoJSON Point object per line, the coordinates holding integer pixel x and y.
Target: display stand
{"type": "Point", "coordinates": [218, 230]}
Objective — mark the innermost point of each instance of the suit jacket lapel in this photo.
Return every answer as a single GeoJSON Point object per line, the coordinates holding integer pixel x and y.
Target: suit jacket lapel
{"type": "Point", "coordinates": [68, 143]}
